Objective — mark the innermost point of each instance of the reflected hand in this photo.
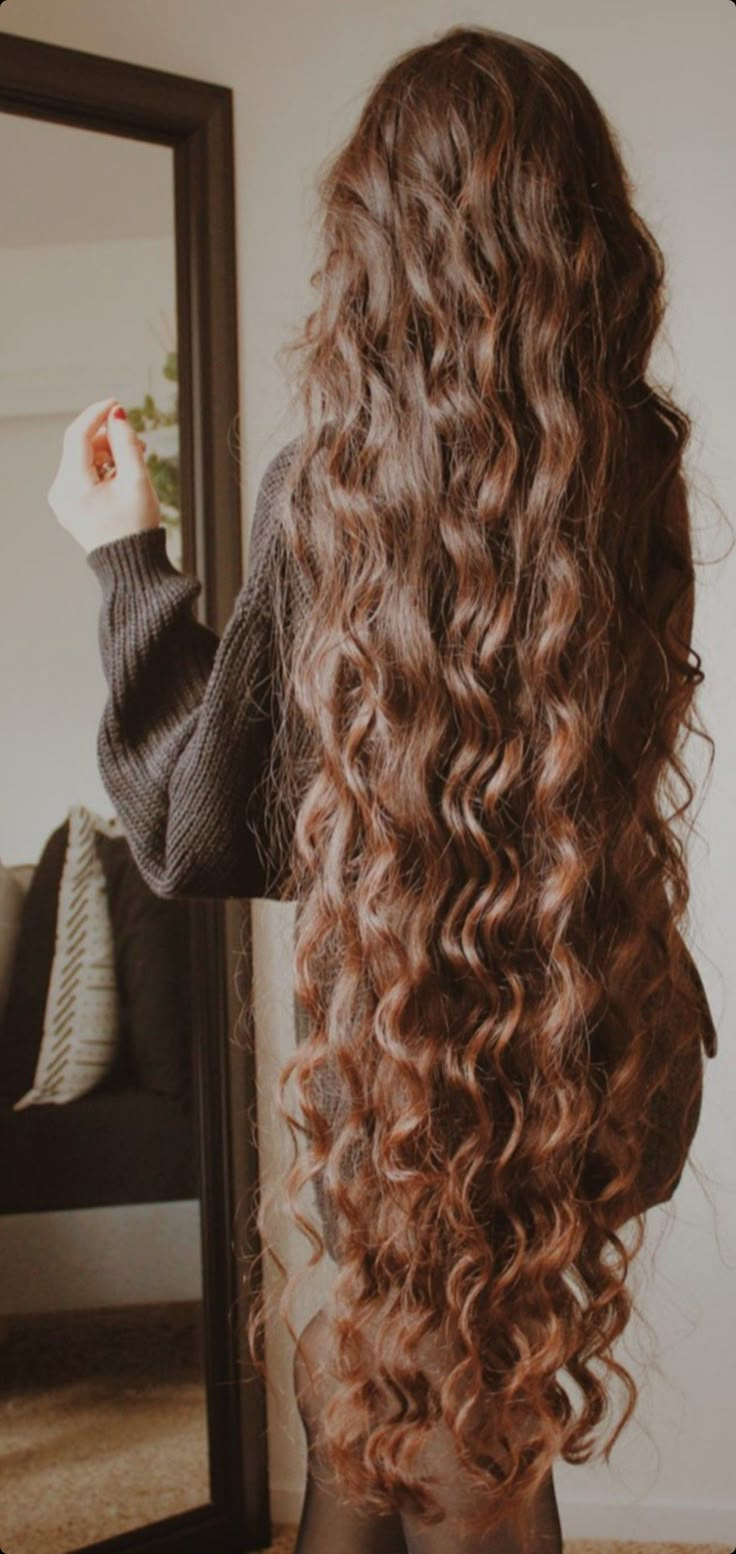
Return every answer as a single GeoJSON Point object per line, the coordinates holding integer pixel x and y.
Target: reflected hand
{"type": "Point", "coordinates": [102, 490]}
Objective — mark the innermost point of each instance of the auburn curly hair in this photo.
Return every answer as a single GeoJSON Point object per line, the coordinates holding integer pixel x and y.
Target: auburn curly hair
{"type": "Point", "coordinates": [489, 510]}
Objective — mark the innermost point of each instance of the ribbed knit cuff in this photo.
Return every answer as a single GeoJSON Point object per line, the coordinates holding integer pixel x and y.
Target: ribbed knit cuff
{"type": "Point", "coordinates": [134, 559]}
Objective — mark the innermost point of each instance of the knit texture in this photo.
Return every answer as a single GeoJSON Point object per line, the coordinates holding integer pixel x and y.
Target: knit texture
{"type": "Point", "coordinates": [185, 744]}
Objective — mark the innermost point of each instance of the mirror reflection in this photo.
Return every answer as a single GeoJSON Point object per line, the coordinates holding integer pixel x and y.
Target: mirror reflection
{"type": "Point", "coordinates": [102, 1398]}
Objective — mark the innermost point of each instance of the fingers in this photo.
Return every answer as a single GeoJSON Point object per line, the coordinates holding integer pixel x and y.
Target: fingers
{"type": "Point", "coordinates": [94, 434]}
{"type": "Point", "coordinates": [127, 450]}
{"type": "Point", "coordinates": [90, 418]}
{"type": "Point", "coordinates": [103, 458]}
{"type": "Point", "coordinates": [101, 442]}
{"type": "Point", "coordinates": [78, 435]}
{"type": "Point", "coordinates": [97, 446]}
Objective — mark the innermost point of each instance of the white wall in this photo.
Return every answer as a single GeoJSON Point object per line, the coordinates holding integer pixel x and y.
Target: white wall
{"type": "Point", "coordinates": [663, 72]}
{"type": "Point", "coordinates": [126, 1254]}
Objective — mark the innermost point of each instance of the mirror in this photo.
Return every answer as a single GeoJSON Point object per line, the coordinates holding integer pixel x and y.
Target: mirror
{"type": "Point", "coordinates": [121, 1415]}
{"type": "Point", "coordinates": [100, 1244]}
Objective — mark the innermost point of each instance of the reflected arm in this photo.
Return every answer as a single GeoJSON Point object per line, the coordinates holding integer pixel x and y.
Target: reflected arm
{"type": "Point", "coordinates": [186, 732]}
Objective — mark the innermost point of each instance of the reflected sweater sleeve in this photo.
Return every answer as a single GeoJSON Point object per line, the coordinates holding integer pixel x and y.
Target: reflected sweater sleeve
{"type": "Point", "coordinates": [186, 730]}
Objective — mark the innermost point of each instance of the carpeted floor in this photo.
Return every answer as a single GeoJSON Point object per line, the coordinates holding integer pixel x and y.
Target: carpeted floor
{"type": "Point", "coordinates": [102, 1425]}
{"type": "Point", "coordinates": [284, 1544]}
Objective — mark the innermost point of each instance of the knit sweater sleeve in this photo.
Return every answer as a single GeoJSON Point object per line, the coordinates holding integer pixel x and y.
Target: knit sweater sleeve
{"type": "Point", "coordinates": [185, 735]}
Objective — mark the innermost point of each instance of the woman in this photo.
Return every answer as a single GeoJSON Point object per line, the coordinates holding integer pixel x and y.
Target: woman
{"type": "Point", "coordinates": [445, 718]}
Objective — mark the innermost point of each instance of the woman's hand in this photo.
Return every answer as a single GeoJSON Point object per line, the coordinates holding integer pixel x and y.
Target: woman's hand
{"type": "Point", "coordinates": [102, 490]}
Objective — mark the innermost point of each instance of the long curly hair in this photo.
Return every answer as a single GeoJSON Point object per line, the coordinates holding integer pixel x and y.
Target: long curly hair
{"type": "Point", "coordinates": [489, 512]}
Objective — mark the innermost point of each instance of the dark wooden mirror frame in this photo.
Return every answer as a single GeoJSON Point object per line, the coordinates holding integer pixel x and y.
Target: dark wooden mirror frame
{"type": "Point", "coordinates": [195, 119]}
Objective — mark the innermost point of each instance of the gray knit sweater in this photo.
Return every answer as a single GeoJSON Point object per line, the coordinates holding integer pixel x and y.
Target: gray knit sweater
{"type": "Point", "coordinates": [186, 744]}
{"type": "Point", "coordinates": [185, 741]}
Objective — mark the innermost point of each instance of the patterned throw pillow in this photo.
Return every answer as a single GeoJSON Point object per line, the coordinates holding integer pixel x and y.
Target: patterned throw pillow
{"type": "Point", "coordinates": [82, 1014]}
{"type": "Point", "coordinates": [21, 1028]}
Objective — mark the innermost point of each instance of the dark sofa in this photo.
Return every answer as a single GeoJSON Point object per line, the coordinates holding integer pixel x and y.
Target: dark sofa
{"type": "Point", "coordinates": [132, 1139]}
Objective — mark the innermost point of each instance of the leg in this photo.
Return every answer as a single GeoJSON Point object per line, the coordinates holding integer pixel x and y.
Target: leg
{"type": "Point", "coordinates": [329, 1525]}
{"type": "Point", "coordinates": [544, 1532]}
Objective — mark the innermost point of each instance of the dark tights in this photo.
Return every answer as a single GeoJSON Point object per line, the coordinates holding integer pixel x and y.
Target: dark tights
{"type": "Point", "coordinates": [329, 1525]}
